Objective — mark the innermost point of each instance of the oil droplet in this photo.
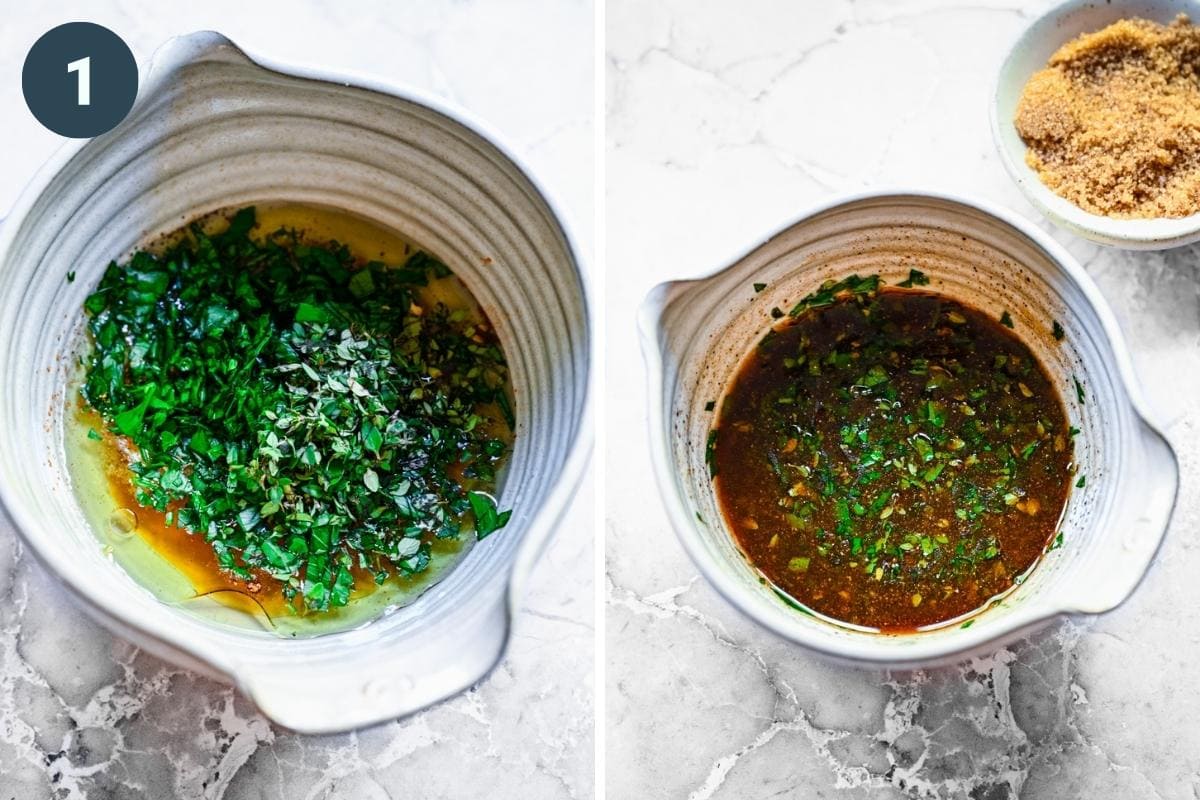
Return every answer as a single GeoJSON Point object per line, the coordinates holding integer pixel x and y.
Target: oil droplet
{"type": "Point", "coordinates": [122, 524]}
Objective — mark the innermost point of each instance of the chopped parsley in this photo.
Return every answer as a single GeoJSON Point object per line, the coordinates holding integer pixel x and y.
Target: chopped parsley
{"type": "Point", "coordinates": [297, 408]}
{"type": "Point", "coordinates": [709, 453]}
{"type": "Point", "coordinates": [831, 291]}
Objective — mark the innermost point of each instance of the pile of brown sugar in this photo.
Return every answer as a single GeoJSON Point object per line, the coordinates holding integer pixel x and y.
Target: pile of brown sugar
{"type": "Point", "coordinates": [1113, 121]}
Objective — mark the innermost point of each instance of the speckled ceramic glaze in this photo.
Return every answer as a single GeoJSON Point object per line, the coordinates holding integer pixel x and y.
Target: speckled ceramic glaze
{"type": "Point", "coordinates": [1029, 53]}
{"type": "Point", "coordinates": [214, 128]}
{"type": "Point", "coordinates": [696, 333]}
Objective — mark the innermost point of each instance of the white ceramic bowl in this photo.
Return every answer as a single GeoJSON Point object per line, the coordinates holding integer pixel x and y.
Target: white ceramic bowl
{"type": "Point", "coordinates": [696, 333]}
{"type": "Point", "coordinates": [214, 128]}
{"type": "Point", "coordinates": [1029, 54]}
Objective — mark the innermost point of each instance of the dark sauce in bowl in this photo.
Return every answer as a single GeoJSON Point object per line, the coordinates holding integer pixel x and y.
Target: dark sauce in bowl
{"type": "Point", "coordinates": [892, 458]}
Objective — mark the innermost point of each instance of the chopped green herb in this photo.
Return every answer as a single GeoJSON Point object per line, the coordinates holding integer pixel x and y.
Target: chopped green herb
{"type": "Point", "coordinates": [294, 408]}
{"type": "Point", "coordinates": [710, 405]}
{"type": "Point", "coordinates": [1079, 484]}
{"type": "Point", "coordinates": [1058, 331]}
{"type": "Point", "coordinates": [924, 449]}
{"type": "Point", "coordinates": [1006, 320]}
{"type": "Point", "coordinates": [915, 278]}
{"type": "Point", "coordinates": [71, 276]}
{"type": "Point", "coordinates": [875, 376]}
{"type": "Point", "coordinates": [1079, 391]}
{"type": "Point", "coordinates": [488, 519]}
{"type": "Point", "coordinates": [758, 287]}
{"type": "Point", "coordinates": [830, 291]}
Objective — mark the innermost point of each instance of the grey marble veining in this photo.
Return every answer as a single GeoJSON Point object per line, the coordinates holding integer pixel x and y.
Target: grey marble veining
{"type": "Point", "coordinates": [724, 121]}
{"type": "Point", "coordinates": [84, 715]}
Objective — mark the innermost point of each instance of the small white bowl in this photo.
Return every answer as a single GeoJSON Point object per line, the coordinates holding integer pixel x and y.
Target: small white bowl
{"type": "Point", "coordinates": [1029, 54]}
{"type": "Point", "coordinates": [213, 128]}
{"type": "Point", "coordinates": [696, 333]}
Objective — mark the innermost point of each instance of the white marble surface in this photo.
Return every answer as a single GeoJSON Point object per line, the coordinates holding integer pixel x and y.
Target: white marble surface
{"type": "Point", "coordinates": [84, 715]}
{"type": "Point", "coordinates": [724, 120]}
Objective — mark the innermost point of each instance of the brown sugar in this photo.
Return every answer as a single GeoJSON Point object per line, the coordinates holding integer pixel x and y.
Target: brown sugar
{"type": "Point", "coordinates": [1113, 121]}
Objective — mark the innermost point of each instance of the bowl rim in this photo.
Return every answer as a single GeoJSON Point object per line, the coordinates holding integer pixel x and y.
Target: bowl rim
{"type": "Point", "coordinates": [962, 642]}
{"type": "Point", "coordinates": [162, 66]}
{"type": "Point", "coordinates": [1156, 233]}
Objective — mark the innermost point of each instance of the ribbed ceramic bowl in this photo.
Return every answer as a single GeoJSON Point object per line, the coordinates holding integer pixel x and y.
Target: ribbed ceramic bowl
{"type": "Point", "coordinates": [696, 333]}
{"type": "Point", "coordinates": [1029, 53]}
{"type": "Point", "coordinates": [213, 128]}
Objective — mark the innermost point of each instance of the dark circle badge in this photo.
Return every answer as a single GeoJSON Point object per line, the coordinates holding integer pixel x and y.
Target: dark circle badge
{"type": "Point", "coordinates": [79, 79]}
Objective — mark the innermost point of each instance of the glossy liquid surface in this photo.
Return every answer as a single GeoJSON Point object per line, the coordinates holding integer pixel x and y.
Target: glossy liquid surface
{"type": "Point", "coordinates": [892, 460]}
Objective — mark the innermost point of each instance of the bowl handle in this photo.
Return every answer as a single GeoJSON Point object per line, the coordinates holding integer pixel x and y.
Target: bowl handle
{"type": "Point", "coordinates": [354, 690]}
{"type": "Point", "coordinates": [1130, 543]}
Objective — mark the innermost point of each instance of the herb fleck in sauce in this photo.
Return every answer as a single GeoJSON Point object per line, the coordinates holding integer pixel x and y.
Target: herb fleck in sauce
{"type": "Point", "coordinates": [891, 458]}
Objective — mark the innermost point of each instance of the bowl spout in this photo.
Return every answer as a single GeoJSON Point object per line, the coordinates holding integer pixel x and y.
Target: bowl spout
{"type": "Point", "coordinates": [371, 686]}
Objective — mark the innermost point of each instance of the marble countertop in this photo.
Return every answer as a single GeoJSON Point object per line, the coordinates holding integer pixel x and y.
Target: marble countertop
{"type": "Point", "coordinates": [83, 715]}
{"type": "Point", "coordinates": [723, 122]}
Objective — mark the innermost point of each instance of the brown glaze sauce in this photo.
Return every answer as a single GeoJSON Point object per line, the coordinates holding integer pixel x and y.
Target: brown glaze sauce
{"type": "Point", "coordinates": [892, 459]}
